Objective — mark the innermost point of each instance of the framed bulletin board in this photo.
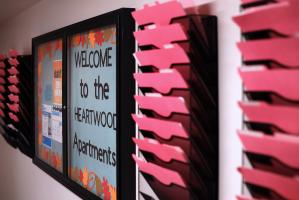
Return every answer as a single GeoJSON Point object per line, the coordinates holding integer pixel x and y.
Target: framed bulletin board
{"type": "Point", "coordinates": [49, 62]}
{"type": "Point", "coordinates": [93, 110]}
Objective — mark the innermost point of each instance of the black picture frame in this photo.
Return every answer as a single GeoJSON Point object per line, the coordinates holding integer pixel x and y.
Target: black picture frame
{"type": "Point", "coordinates": [125, 104]}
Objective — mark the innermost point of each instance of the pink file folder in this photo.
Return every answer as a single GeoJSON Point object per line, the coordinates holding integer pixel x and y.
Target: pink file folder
{"type": "Point", "coordinates": [2, 64]}
{"type": "Point", "coordinates": [163, 128]}
{"type": "Point", "coordinates": [13, 62]}
{"type": "Point", "coordinates": [13, 53]}
{"type": "Point", "coordinates": [164, 175]}
{"type": "Point", "coordinates": [286, 187]}
{"type": "Point", "coordinates": [247, 198]}
{"type": "Point", "coordinates": [14, 89]}
{"type": "Point", "coordinates": [2, 106]}
{"type": "Point", "coordinates": [283, 147]}
{"type": "Point", "coordinates": [145, 16]}
{"type": "Point", "coordinates": [13, 80]}
{"type": "Point", "coordinates": [2, 113]}
{"type": "Point", "coordinates": [283, 117]}
{"type": "Point", "coordinates": [2, 89]}
{"type": "Point", "coordinates": [162, 105]}
{"type": "Point", "coordinates": [2, 81]}
{"type": "Point", "coordinates": [13, 98]}
{"type": "Point", "coordinates": [13, 117]}
{"type": "Point", "coordinates": [164, 152]}
{"type": "Point", "coordinates": [160, 36]}
{"type": "Point", "coordinates": [162, 82]}
{"type": "Point", "coordinates": [283, 82]}
{"type": "Point", "coordinates": [162, 58]}
{"type": "Point", "coordinates": [280, 17]}
{"type": "Point", "coordinates": [2, 73]}
{"type": "Point", "coordinates": [1, 97]}
{"type": "Point", "coordinates": [283, 51]}
{"type": "Point", "coordinates": [2, 57]}
{"type": "Point", "coordinates": [13, 71]}
{"type": "Point", "coordinates": [13, 107]}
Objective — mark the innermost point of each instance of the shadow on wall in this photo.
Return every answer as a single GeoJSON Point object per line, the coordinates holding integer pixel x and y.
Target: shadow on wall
{"type": "Point", "coordinates": [8, 166]}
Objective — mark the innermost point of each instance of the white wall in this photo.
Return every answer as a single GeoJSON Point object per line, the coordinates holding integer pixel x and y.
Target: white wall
{"type": "Point", "coordinates": [21, 180]}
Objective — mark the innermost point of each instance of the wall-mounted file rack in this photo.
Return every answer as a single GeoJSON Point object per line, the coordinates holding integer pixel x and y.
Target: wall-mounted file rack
{"type": "Point", "coordinates": [271, 102]}
{"type": "Point", "coordinates": [177, 103]}
{"type": "Point", "coordinates": [16, 83]}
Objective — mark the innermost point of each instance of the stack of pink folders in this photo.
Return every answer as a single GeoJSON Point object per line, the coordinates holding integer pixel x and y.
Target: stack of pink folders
{"type": "Point", "coordinates": [13, 86]}
{"type": "Point", "coordinates": [271, 99]}
{"type": "Point", "coordinates": [16, 101]}
{"type": "Point", "coordinates": [177, 101]}
{"type": "Point", "coordinates": [2, 91]}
